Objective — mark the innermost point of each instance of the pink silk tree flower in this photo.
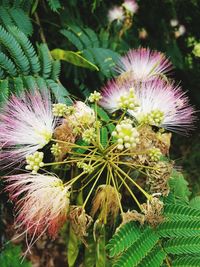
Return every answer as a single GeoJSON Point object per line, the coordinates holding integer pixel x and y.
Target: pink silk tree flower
{"type": "Point", "coordinates": [41, 202]}
{"type": "Point", "coordinates": [112, 95]}
{"type": "Point", "coordinates": [155, 103]}
{"type": "Point", "coordinates": [27, 124]}
{"type": "Point", "coordinates": [143, 65]}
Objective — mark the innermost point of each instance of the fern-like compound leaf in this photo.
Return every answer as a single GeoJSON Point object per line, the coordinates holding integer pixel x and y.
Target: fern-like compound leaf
{"type": "Point", "coordinates": [123, 239]}
{"type": "Point", "coordinates": [4, 91]}
{"type": "Point", "coordinates": [15, 50]}
{"type": "Point", "coordinates": [46, 60]}
{"type": "Point", "coordinates": [176, 212]}
{"type": "Point", "coordinates": [183, 245]}
{"type": "Point", "coordinates": [7, 64]}
{"type": "Point", "coordinates": [28, 49]}
{"type": "Point", "coordinates": [22, 21]}
{"type": "Point", "coordinates": [55, 70]}
{"type": "Point", "coordinates": [187, 261]}
{"type": "Point", "coordinates": [179, 228]}
{"type": "Point", "coordinates": [154, 259]}
{"type": "Point", "coordinates": [138, 250]}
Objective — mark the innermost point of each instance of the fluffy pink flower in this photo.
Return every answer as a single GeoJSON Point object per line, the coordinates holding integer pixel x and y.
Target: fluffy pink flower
{"type": "Point", "coordinates": [143, 64]}
{"type": "Point", "coordinates": [111, 95]}
{"type": "Point", "coordinates": [131, 6]}
{"type": "Point", "coordinates": [158, 103]}
{"type": "Point", "coordinates": [27, 124]}
{"type": "Point", "coordinates": [41, 202]}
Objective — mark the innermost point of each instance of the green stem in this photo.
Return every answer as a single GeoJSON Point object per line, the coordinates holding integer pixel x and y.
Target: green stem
{"type": "Point", "coordinates": [129, 178]}
{"type": "Point", "coordinates": [99, 174]}
{"type": "Point", "coordinates": [113, 180]}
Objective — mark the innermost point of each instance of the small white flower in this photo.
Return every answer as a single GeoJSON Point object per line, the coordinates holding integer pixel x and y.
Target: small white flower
{"type": "Point", "coordinates": [174, 22]}
{"type": "Point", "coordinates": [116, 13]}
{"type": "Point", "coordinates": [131, 6]}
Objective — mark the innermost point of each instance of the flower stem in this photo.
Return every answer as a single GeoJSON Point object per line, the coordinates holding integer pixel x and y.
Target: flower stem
{"type": "Point", "coordinates": [128, 188]}
{"type": "Point", "coordinates": [113, 180]}
{"type": "Point", "coordinates": [129, 178]}
{"type": "Point", "coordinates": [91, 190]}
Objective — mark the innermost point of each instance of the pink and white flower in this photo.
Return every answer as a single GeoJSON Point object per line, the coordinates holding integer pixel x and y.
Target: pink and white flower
{"type": "Point", "coordinates": [111, 95]}
{"type": "Point", "coordinates": [116, 13]}
{"type": "Point", "coordinates": [159, 103]}
{"type": "Point", "coordinates": [131, 6]}
{"type": "Point", "coordinates": [41, 201]}
{"type": "Point", "coordinates": [143, 64]}
{"type": "Point", "coordinates": [27, 124]}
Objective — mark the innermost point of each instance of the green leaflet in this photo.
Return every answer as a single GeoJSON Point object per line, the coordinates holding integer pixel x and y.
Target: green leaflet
{"type": "Point", "coordinates": [101, 113]}
{"type": "Point", "coordinates": [72, 248]}
{"type": "Point", "coordinates": [178, 212]}
{"type": "Point", "coordinates": [123, 239]}
{"type": "Point", "coordinates": [186, 261]}
{"type": "Point", "coordinates": [179, 186]}
{"type": "Point", "coordinates": [138, 250]}
{"type": "Point", "coordinates": [74, 58]}
{"type": "Point", "coordinates": [4, 91]}
{"type": "Point", "coordinates": [54, 5]}
{"type": "Point", "coordinates": [195, 202]}
{"type": "Point", "coordinates": [104, 137]}
{"type": "Point", "coordinates": [183, 245]}
{"type": "Point", "coordinates": [179, 228]}
{"type": "Point", "coordinates": [82, 143]}
{"type": "Point", "coordinates": [46, 60]}
{"type": "Point", "coordinates": [154, 259]}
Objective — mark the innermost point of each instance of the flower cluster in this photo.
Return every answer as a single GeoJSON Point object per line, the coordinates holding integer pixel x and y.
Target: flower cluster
{"type": "Point", "coordinates": [127, 136]}
{"type": "Point", "coordinates": [99, 150]}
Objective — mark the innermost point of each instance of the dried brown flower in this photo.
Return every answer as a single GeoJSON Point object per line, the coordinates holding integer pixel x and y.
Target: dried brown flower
{"type": "Point", "coordinates": [80, 221]}
{"type": "Point", "coordinates": [132, 215]}
{"type": "Point", "coordinates": [153, 211]}
{"type": "Point", "coordinates": [158, 177]}
{"type": "Point", "coordinates": [64, 133]}
{"type": "Point", "coordinates": [106, 200]}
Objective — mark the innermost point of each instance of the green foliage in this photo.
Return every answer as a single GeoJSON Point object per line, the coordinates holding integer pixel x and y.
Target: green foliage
{"type": "Point", "coordinates": [22, 67]}
{"type": "Point", "coordinates": [195, 202]}
{"type": "Point", "coordinates": [104, 137]}
{"type": "Point", "coordinates": [74, 58]}
{"type": "Point", "coordinates": [15, 16]}
{"type": "Point", "coordinates": [178, 234]}
{"type": "Point", "coordinates": [179, 186]}
{"type": "Point", "coordinates": [186, 261]}
{"type": "Point", "coordinates": [54, 5]}
{"type": "Point", "coordinates": [141, 247]}
{"type": "Point", "coordinates": [82, 149]}
{"type": "Point", "coordinates": [72, 248]}
{"type": "Point", "coordinates": [92, 48]}
{"type": "Point", "coordinates": [11, 257]}
{"type": "Point", "coordinates": [123, 239]}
